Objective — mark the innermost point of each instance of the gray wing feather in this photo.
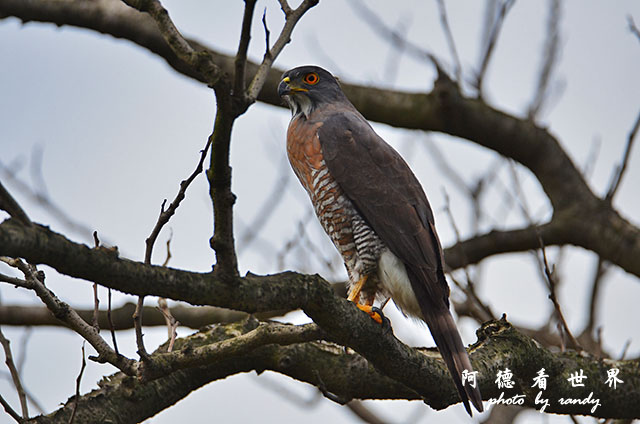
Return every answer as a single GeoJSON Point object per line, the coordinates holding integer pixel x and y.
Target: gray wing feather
{"type": "Point", "coordinates": [387, 194]}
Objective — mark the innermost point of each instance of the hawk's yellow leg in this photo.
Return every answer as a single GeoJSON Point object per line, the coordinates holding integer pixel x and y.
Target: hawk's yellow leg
{"type": "Point", "coordinates": [354, 296]}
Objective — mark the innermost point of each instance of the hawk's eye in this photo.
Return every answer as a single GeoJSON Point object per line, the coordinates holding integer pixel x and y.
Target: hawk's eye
{"type": "Point", "coordinates": [311, 78]}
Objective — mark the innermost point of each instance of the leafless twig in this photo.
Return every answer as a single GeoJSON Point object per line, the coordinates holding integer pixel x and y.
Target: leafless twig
{"type": "Point", "coordinates": [493, 24]}
{"type": "Point", "coordinates": [78, 381]}
{"type": "Point", "coordinates": [163, 218]}
{"type": "Point", "coordinates": [243, 46]}
{"type": "Point", "coordinates": [172, 323]}
{"type": "Point", "coordinates": [267, 33]}
{"type": "Point", "coordinates": [264, 212]}
{"type": "Point", "coordinates": [469, 288]}
{"type": "Point", "coordinates": [34, 280]}
{"type": "Point", "coordinates": [46, 203]}
{"type": "Point", "coordinates": [617, 178]}
{"type": "Point", "coordinates": [598, 276]}
{"type": "Point", "coordinates": [550, 58]}
{"type": "Point", "coordinates": [9, 410]}
{"type": "Point", "coordinates": [366, 415]}
{"type": "Point", "coordinates": [396, 51]}
{"type": "Point", "coordinates": [562, 323]}
{"type": "Point", "coordinates": [450, 42]}
{"type": "Point", "coordinates": [14, 375]}
{"type": "Point", "coordinates": [323, 389]}
{"type": "Point", "coordinates": [9, 204]}
{"type": "Point", "coordinates": [292, 16]}
{"type": "Point", "coordinates": [393, 36]}
{"type": "Point", "coordinates": [197, 60]}
{"type": "Point", "coordinates": [110, 320]}
{"type": "Point", "coordinates": [633, 28]}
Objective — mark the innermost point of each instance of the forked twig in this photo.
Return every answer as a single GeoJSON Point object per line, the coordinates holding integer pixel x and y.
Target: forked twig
{"type": "Point", "coordinates": [562, 323]}
{"type": "Point", "coordinates": [34, 280]}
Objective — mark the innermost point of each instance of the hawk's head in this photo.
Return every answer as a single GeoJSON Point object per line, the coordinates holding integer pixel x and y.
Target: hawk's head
{"type": "Point", "coordinates": [307, 87]}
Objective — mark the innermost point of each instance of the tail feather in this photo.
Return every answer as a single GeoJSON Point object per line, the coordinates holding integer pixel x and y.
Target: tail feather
{"type": "Point", "coordinates": [445, 334]}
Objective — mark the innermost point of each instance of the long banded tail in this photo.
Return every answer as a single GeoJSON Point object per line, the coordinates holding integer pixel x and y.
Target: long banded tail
{"type": "Point", "coordinates": [445, 333]}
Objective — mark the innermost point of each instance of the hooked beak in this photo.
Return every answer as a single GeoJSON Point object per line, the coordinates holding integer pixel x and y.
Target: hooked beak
{"type": "Point", "coordinates": [285, 88]}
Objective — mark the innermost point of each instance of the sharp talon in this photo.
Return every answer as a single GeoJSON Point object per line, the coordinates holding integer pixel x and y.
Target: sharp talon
{"type": "Point", "coordinates": [385, 322]}
{"type": "Point", "coordinates": [375, 313]}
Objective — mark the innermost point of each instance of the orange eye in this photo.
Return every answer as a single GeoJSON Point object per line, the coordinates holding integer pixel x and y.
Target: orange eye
{"type": "Point", "coordinates": [311, 78]}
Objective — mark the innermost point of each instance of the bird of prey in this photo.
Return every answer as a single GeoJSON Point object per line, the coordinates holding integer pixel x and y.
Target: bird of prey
{"type": "Point", "coordinates": [374, 210]}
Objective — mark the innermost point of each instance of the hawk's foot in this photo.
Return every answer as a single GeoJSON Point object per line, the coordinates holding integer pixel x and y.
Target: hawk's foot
{"type": "Point", "coordinates": [374, 312]}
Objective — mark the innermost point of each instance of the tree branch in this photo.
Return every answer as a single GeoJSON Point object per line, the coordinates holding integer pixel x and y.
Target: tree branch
{"type": "Point", "coordinates": [9, 205]}
{"type": "Point", "coordinates": [348, 375]}
{"type": "Point", "coordinates": [286, 290]}
{"type": "Point", "coordinates": [200, 62]}
{"type": "Point", "coordinates": [15, 376]}
{"type": "Point", "coordinates": [34, 280]}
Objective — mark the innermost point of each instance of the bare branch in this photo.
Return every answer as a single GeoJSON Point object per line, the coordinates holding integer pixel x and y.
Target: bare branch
{"type": "Point", "coordinates": [266, 210]}
{"type": "Point", "coordinates": [110, 321]}
{"type": "Point", "coordinates": [78, 381]}
{"type": "Point", "coordinates": [550, 58]}
{"type": "Point", "coordinates": [9, 410]}
{"type": "Point", "coordinates": [450, 42]}
{"type": "Point", "coordinates": [394, 37]}
{"type": "Point", "coordinates": [46, 203]}
{"type": "Point", "coordinates": [469, 288]}
{"type": "Point", "coordinates": [562, 323]}
{"type": "Point", "coordinates": [198, 61]}
{"type": "Point", "coordinates": [633, 28]}
{"type": "Point", "coordinates": [243, 46]}
{"type": "Point", "coordinates": [137, 324]}
{"type": "Point", "coordinates": [291, 19]}
{"type": "Point", "coordinates": [617, 178]}
{"type": "Point", "coordinates": [34, 281]}
{"type": "Point", "coordinates": [14, 375]}
{"type": "Point", "coordinates": [365, 414]}
{"type": "Point", "coordinates": [165, 215]}
{"type": "Point", "coordinates": [602, 267]}
{"type": "Point", "coordinates": [163, 219]}
{"type": "Point", "coordinates": [495, 23]}
{"type": "Point", "coordinates": [171, 322]}
{"type": "Point", "coordinates": [8, 204]}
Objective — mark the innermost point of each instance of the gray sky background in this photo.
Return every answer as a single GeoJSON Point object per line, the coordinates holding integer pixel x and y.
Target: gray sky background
{"type": "Point", "coordinates": [117, 130]}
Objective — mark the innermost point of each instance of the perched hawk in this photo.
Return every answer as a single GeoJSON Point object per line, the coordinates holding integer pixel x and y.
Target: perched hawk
{"type": "Point", "coordinates": [374, 209]}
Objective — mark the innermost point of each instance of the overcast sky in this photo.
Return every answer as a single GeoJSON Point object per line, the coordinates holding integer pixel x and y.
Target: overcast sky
{"type": "Point", "coordinates": [115, 130]}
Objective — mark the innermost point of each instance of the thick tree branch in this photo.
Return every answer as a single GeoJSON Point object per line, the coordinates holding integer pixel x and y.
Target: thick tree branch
{"type": "Point", "coordinates": [290, 290]}
{"type": "Point", "coordinates": [348, 375]}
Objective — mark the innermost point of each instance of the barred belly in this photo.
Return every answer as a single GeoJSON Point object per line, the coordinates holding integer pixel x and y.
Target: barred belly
{"type": "Point", "coordinates": [357, 243]}
{"type": "Point", "coordinates": [355, 240]}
